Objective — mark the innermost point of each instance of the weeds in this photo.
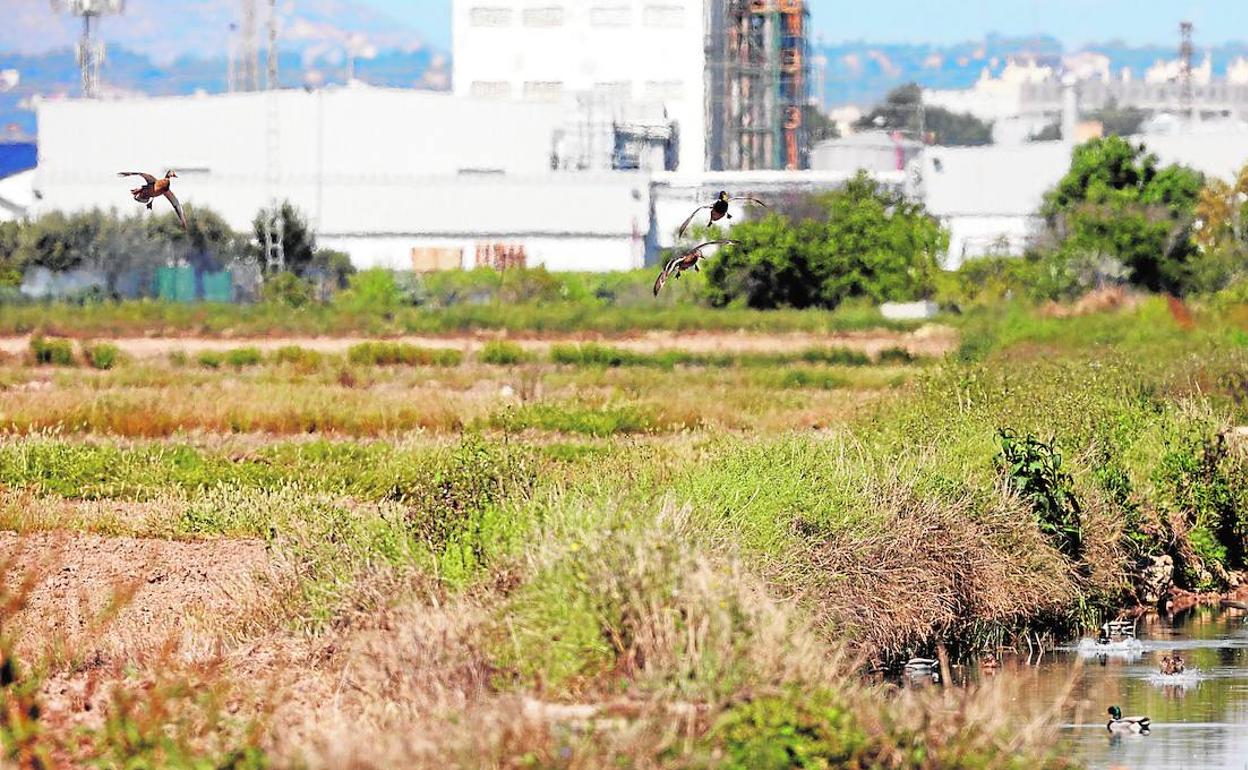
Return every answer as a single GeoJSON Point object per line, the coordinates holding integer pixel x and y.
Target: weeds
{"type": "Point", "coordinates": [394, 353]}
{"type": "Point", "coordinates": [101, 355]}
{"type": "Point", "coordinates": [51, 352]}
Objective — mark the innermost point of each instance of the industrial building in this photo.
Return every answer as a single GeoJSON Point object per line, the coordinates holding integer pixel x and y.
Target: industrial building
{"type": "Point", "coordinates": [675, 85]}
{"type": "Point", "coordinates": [396, 178]}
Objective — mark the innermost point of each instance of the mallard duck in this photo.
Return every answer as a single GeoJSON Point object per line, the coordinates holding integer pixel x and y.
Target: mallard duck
{"type": "Point", "coordinates": [719, 209]}
{"type": "Point", "coordinates": [685, 261]}
{"type": "Point", "coordinates": [1120, 724]}
{"type": "Point", "coordinates": [154, 188]}
{"type": "Point", "coordinates": [1172, 665]}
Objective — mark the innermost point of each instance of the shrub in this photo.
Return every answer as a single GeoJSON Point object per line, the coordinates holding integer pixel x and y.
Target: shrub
{"type": "Point", "coordinates": [503, 353]}
{"type": "Point", "coordinates": [865, 242]}
{"type": "Point", "coordinates": [240, 357]}
{"type": "Point", "coordinates": [211, 359]}
{"type": "Point", "coordinates": [287, 289]}
{"type": "Point", "coordinates": [102, 355]}
{"type": "Point", "coordinates": [797, 730]}
{"type": "Point", "coordinates": [372, 291]}
{"type": "Point", "coordinates": [54, 352]}
{"type": "Point", "coordinates": [895, 355]}
{"type": "Point", "coordinates": [178, 358]}
{"type": "Point", "coordinates": [302, 358]}
{"type": "Point", "coordinates": [1033, 469]}
{"type": "Point", "coordinates": [839, 356]}
{"type": "Point", "coordinates": [393, 353]}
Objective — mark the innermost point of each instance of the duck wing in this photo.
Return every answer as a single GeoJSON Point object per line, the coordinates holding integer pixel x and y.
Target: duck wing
{"type": "Point", "coordinates": [666, 273]}
{"type": "Point", "coordinates": [146, 177]}
{"type": "Point", "coordinates": [173, 199]}
{"type": "Point", "coordinates": [748, 198]}
{"type": "Point", "coordinates": [685, 226]}
{"type": "Point", "coordinates": [713, 243]}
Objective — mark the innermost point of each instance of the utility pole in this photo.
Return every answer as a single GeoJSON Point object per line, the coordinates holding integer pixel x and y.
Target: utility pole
{"type": "Point", "coordinates": [274, 224]}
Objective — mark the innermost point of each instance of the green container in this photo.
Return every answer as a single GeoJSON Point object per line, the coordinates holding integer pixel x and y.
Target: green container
{"type": "Point", "coordinates": [179, 284]}
{"type": "Point", "coordinates": [218, 287]}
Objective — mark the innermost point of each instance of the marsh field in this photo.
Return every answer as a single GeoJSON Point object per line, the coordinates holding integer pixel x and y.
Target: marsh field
{"type": "Point", "coordinates": [688, 539]}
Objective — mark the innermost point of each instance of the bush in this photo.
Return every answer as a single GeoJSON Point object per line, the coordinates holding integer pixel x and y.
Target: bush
{"type": "Point", "coordinates": [302, 358]}
{"type": "Point", "coordinates": [240, 357]}
{"type": "Point", "coordinates": [211, 359]}
{"type": "Point", "coordinates": [503, 353]}
{"type": "Point", "coordinates": [372, 291]}
{"type": "Point", "coordinates": [797, 730]}
{"type": "Point", "coordinates": [394, 353]}
{"type": "Point", "coordinates": [1033, 469]}
{"type": "Point", "coordinates": [101, 355]}
{"type": "Point", "coordinates": [54, 352]}
{"type": "Point", "coordinates": [866, 243]}
{"type": "Point", "coordinates": [287, 289]}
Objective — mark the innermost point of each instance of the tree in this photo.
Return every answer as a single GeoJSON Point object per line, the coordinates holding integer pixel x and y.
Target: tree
{"type": "Point", "coordinates": [819, 126]}
{"type": "Point", "coordinates": [1222, 214]}
{"type": "Point", "coordinates": [901, 109]}
{"type": "Point", "coordinates": [869, 243]}
{"type": "Point", "coordinates": [1116, 201]}
{"type": "Point", "coordinates": [1119, 121]}
{"type": "Point", "coordinates": [298, 240]}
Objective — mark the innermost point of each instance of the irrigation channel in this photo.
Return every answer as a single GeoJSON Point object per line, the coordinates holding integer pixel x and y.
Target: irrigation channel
{"type": "Point", "coordinates": [1199, 718]}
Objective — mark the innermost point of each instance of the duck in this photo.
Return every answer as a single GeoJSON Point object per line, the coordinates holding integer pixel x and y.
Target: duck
{"type": "Point", "coordinates": [719, 209]}
{"type": "Point", "coordinates": [1120, 724]}
{"type": "Point", "coordinates": [689, 259]}
{"type": "Point", "coordinates": [154, 188]}
{"type": "Point", "coordinates": [1172, 665]}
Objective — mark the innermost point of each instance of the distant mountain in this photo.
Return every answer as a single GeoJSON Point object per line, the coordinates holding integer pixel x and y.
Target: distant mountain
{"type": "Point", "coordinates": [863, 72]}
{"type": "Point", "coordinates": [55, 75]}
{"type": "Point", "coordinates": [166, 30]}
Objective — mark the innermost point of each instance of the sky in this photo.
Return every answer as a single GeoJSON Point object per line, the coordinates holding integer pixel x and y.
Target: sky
{"type": "Point", "coordinates": [1074, 22]}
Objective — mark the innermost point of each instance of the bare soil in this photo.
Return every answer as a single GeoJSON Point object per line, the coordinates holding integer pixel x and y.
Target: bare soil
{"type": "Point", "coordinates": [164, 589]}
{"type": "Point", "coordinates": [930, 340]}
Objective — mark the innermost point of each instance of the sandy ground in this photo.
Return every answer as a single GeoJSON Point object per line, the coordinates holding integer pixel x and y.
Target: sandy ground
{"type": "Point", "coordinates": [930, 340]}
{"type": "Point", "coordinates": [165, 588]}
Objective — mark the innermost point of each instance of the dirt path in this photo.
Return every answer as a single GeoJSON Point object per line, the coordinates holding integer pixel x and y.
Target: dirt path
{"type": "Point", "coordinates": [931, 340]}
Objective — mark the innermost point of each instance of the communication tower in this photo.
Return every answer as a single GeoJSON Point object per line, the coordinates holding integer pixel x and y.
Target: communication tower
{"type": "Point", "coordinates": [90, 50]}
{"type": "Point", "coordinates": [274, 223]}
{"type": "Point", "coordinates": [1185, 69]}
{"type": "Point", "coordinates": [246, 74]}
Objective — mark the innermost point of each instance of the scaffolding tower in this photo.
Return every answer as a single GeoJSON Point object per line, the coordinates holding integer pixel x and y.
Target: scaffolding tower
{"type": "Point", "coordinates": [90, 48]}
{"type": "Point", "coordinates": [758, 84]}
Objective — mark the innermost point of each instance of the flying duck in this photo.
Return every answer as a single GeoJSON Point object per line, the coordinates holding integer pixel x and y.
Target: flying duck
{"type": "Point", "coordinates": [679, 264]}
{"type": "Point", "coordinates": [1120, 724]}
{"type": "Point", "coordinates": [154, 188]}
{"type": "Point", "coordinates": [719, 210]}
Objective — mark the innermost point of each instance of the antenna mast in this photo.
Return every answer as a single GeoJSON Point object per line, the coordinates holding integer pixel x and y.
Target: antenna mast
{"type": "Point", "coordinates": [90, 50]}
{"type": "Point", "coordinates": [248, 76]}
{"type": "Point", "coordinates": [274, 223]}
{"type": "Point", "coordinates": [1186, 101]}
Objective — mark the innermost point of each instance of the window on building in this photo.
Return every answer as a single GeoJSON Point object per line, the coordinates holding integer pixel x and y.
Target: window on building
{"type": "Point", "coordinates": [546, 16]}
{"type": "Point", "coordinates": [543, 90]}
{"type": "Point", "coordinates": [610, 16]}
{"type": "Point", "coordinates": [489, 16]}
{"type": "Point", "coordinates": [664, 16]}
{"type": "Point", "coordinates": [614, 91]}
{"type": "Point", "coordinates": [491, 89]}
{"type": "Point", "coordinates": [665, 90]}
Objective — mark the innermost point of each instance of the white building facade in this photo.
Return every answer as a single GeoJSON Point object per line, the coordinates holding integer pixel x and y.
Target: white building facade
{"type": "Point", "coordinates": [395, 178]}
{"type": "Point", "coordinates": [603, 61]}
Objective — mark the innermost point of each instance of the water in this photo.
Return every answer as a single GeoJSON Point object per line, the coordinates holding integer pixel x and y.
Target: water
{"type": "Point", "coordinates": [1199, 719]}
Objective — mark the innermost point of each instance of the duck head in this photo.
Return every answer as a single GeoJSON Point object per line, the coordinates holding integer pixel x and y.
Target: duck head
{"type": "Point", "coordinates": [171, 174]}
{"type": "Point", "coordinates": [723, 196]}
{"type": "Point", "coordinates": [1115, 713]}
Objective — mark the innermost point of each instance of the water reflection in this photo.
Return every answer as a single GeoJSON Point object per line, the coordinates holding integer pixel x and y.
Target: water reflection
{"type": "Point", "coordinates": [1199, 717]}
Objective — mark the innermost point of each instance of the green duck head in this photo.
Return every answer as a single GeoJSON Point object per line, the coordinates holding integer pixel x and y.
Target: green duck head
{"type": "Point", "coordinates": [1115, 713]}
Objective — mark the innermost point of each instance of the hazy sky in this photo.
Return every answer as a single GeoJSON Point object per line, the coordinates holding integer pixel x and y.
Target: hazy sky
{"type": "Point", "coordinates": [945, 21]}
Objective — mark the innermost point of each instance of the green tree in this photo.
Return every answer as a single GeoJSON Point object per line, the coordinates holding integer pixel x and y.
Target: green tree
{"type": "Point", "coordinates": [1119, 121]}
{"type": "Point", "coordinates": [901, 110]}
{"type": "Point", "coordinates": [1116, 201]}
{"type": "Point", "coordinates": [868, 243]}
{"type": "Point", "coordinates": [298, 240]}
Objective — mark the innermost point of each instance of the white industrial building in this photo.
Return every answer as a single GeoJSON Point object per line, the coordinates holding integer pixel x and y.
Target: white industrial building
{"type": "Point", "coordinates": [395, 178]}
{"type": "Point", "coordinates": [989, 197]}
{"type": "Point", "coordinates": [640, 64]}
